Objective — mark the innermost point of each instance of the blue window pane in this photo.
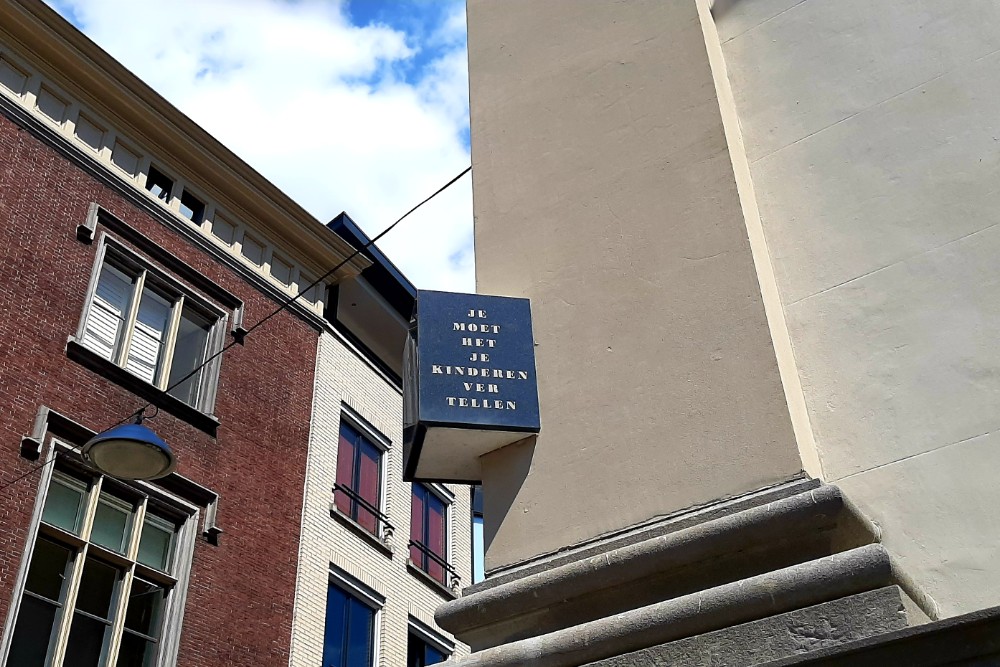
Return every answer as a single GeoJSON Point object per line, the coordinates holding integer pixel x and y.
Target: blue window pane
{"type": "Point", "coordinates": [336, 622]}
{"type": "Point", "coordinates": [432, 656]}
{"type": "Point", "coordinates": [359, 636]}
{"type": "Point", "coordinates": [419, 653]}
{"type": "Point", "coordinates": [350, 631]}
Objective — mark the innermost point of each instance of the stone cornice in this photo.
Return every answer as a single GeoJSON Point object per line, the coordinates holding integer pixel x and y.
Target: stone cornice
{"type": "Point", "coordinates": [91, 75]}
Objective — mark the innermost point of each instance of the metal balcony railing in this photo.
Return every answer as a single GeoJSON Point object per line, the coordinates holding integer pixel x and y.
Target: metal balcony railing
{"type": "Point", "coordinates": [452, 579]}
{"type": "Point", "coordinates": [383, 529]}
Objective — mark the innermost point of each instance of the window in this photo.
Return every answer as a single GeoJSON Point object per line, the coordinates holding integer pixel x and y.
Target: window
{"type": "Point", "coordinates": [429, 534]}
{"type": "Point", "coordinates": [101, 577]}
{"type": "Point", "coordinates": [359, 471]}
{"type": "Point", "coordinates": [349, 637]}
{"type": "Point", "coordinates": [142, 322]}
{"type": "Point", "coordinates": [192, 208]}
{"type": "Point", "coordinates": [159, 184]}
{"type": "Point", "coordinates": [478, 550]}
{"type": "Point", "coordinates": [420, 653]}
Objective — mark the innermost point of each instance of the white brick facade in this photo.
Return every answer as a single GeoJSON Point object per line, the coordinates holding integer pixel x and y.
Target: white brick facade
{"type": "Point", "coordinates": [344, 378]}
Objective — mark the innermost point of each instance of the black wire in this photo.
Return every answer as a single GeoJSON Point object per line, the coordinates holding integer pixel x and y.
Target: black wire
{"type": "Point", "coordinates": [284, 304]}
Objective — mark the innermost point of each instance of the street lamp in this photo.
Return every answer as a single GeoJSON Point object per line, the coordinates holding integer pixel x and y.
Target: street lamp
{"type": "Point", "coordinates": [130, 451]}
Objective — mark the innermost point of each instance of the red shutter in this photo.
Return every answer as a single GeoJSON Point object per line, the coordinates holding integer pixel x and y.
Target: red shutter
{"type": "Point", "coordinates": [345, 470]}
{"type": "Point", "coordinates": [368, 486]}
{"type": "Point", "coordinates": [435, 538]}
{"type": "Point", "coordinates": [417, 525]}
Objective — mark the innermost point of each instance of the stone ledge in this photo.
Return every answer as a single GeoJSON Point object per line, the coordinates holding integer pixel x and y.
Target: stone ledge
{"type": "Point", "coordinates": [792, 530]}
{"type": "Point", "coordinates": [822, 580]}
{"type": "Point", "coordinates": [792, 633]}
{"type": "Point", "coordinates": [685, 518]}
{"type": "Point", "coordinates": [970, 640]}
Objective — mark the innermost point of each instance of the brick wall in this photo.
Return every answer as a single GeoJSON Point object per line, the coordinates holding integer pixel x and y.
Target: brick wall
{"type": "Point", "coordinates": [343, 378]}
{"type": "Point", "coordinates": [240, 599]}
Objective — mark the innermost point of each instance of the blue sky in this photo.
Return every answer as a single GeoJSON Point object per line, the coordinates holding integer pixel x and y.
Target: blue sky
{"type": "Point", "coordinates": [356, 105]}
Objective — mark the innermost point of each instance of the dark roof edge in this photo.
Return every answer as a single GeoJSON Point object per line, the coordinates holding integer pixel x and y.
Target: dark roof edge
{"type": "Point", "coordinates": [383, 275]}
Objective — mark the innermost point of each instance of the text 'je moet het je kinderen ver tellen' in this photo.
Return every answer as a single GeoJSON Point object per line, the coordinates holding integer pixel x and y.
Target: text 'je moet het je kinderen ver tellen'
{"type": "Point", "coordinates": [483, 383]}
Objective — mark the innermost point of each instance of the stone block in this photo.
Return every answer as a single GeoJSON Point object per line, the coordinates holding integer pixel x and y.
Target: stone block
{"type": "Point", "coordinates": [793, 633]}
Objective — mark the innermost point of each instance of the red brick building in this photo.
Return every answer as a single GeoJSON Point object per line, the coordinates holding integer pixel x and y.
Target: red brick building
{"type": "Point", "coordinates": [133, 247]}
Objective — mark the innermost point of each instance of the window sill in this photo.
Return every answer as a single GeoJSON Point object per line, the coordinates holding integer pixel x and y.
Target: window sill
{"type": "Point", "coordinates": [361, 531]}
{"type": "Point", "coordinates": [431, 582]}
{"type": "Point", "coordinates": [156, 396]}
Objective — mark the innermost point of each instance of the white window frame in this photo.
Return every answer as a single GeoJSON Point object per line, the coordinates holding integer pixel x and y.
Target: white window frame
{"type": "Point", "coordinates": [205, 401]}
{"type": "Point", "coordinates": [177, 578]}
{"type": "Point", "coordinates": [428, 635]}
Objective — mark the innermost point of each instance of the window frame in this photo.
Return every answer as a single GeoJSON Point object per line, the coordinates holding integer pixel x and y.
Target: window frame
{"type": "Point", "coordinates": [428, 636]}
{"type": "Point", "coordinates": [146, 500]}
{"type": "Point", "coordinates": [121, 254]}
{"type": "Point", "coordinates": [383, 529]}
{"type": "Point", "coordinates": [366, 596]}
{"type": "Point", "coordinates": [447, 499]}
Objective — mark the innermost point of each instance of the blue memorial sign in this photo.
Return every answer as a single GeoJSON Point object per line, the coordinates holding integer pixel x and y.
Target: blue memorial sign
{"type": "Point", "coordinates": [469, 383]}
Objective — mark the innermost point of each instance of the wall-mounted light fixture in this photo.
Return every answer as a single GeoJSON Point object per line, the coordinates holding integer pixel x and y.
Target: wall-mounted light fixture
{"type": "Point", "coordinates": [130, 451]}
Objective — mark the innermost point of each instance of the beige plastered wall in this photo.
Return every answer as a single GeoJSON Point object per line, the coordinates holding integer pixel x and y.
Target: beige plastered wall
{"type": "Point", "coordinates": [345, 381]}
{"type": "Point", "coordinates": [604, 191]}
{"type": "Point", "coordinates": [872, 149]}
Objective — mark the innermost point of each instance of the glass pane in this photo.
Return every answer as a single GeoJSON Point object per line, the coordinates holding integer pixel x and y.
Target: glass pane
{"type": "Point", "coordinates": [345, 467]}
{"type": "Point", "coordinates": [368, 484]}
{"type": "Point", "coordinates": [97, 587]}
{"type": "Point", "coordinates": [414, 652]}
{"type": "Point", "coordinates": [145, 606]}
{"type": "Point", "coordinates": [111, 525]}
{"type": "Point", "coordinates": [359, 635]}
{"type": "Point", "coordinates": [159, 183]}
{"type": "Point", "coordinates": [146, 347]}
{"type": "Point", "coordinates": [48, 570]}
{"type": "Point", "coordinates": [436, 525]}
{"type": "Point", "coordinates": [33, 634]}
{"type": "Point", "coordinates": [478, 550]}
{"type": "Point", "coordinates": [336, 625]}
{"type": "Point", "coordinates": [189, 353]}
{"type": "Point", "coordinates": [154, 546]}
{"type": "Point", "coordinates": [136, 652]}
{"type": "Point", "coordinates": [192, 208]}
{"type": "Point", "coordinates": [433, 656]}
{"type": "Point", "coordinates": [63, 506]}
{"type": "Point", "coordinates": [417, 524]}
{"type": "Point", "coordinates": [86, 642]}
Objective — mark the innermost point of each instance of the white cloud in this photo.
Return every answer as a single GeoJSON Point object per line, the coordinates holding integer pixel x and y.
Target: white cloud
{"type": "Point", "coordinates": [314, 104]}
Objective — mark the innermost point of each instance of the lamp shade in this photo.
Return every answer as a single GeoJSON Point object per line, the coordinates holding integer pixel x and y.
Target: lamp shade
{"type": "Point", "coordinates": [130, 451]}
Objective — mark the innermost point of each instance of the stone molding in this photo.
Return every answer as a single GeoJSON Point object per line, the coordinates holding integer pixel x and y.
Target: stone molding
{"type": "Point", "coordinates": [659, 567]}
{"type": "Point", "coordinates": [821, 580]}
